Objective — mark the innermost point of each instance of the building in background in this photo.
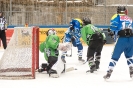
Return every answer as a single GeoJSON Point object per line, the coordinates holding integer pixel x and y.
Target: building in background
{"type": "Point", "coordinates": [60, 12]}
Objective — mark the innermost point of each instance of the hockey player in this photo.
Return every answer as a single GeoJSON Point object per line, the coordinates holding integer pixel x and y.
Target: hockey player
{"type": "Point", "coordinates": [121, 26]}
{"type": "Point", "coordinates": [50, 47]}
{"type": "Point", "coordinates": [73, 35]}
{"type": "Point", "coordinates": [95, 39]}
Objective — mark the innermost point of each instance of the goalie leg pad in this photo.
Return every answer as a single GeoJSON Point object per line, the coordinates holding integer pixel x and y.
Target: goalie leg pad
{"type": "Point", "coordinates": [59, 67]}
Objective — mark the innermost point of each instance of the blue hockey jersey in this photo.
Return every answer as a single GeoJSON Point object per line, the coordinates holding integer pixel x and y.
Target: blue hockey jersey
{"type": "Point", "coordinates": [120, 22]}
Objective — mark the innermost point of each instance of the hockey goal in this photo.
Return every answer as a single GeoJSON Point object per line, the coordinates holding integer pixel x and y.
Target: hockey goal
{"type": "Point", "coordinates": [20, 59]}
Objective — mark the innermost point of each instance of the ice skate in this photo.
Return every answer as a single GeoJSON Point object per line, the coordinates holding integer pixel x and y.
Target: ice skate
{"type": "Point", "coordinates": [131, 72]}
{"type": "Point", "coordinates": [53, 73]}
{"type": "Point", "coordinates": [92, 68]}
{"type": "Point", "coordinates": [81, 60]}
{"type": "Point", "coordinates": [107, 76]}
{"type": "Point", "coordinates": [42, 70]}
{"type": "Point", "coordinates": [44, 67]}
{"type": "Point", "coordinates": [97, 64]}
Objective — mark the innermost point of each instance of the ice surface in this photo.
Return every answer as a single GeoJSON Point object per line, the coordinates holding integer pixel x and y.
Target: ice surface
{"type": "Point", "coordinates": [78, 78]}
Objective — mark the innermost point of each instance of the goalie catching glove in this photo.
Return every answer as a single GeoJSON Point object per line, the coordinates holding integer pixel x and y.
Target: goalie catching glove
{"type": "Point", "coordinates": [64, 46]}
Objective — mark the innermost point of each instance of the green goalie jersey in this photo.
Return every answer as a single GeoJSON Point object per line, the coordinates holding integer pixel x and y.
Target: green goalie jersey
{"type": "Point", "coordinates": [87, 32]}
{"type": "Point", "coordinates": [49, 46]}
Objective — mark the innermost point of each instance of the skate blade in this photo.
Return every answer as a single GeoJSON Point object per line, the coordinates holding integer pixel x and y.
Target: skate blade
{"type": "Point", "coordinates": [91, 71]}
{"type": "Point", "coordinates": [54, 75]}
{"type": "Point", "coordinates": [88, 71]}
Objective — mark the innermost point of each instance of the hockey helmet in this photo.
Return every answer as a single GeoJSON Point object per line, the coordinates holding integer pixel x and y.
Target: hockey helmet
{"type": "Point", "coordinates": [76, 22]}
{"type": "Point", "coordinates": [51, 31]}
{"type": "Point", "coordinates": [121, 9]}
{"type": "Point", "coordinates": [86, 21]}
{"type": "Point", "coordinates": [80, 21]}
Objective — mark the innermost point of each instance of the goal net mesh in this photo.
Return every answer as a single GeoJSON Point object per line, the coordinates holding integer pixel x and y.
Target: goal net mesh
{"type": "Point", "coordinates": [21, 56]}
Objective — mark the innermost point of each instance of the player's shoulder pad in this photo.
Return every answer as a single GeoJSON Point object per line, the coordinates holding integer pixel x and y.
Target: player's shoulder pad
{"type": "Point", "coordinates": [114, 16]}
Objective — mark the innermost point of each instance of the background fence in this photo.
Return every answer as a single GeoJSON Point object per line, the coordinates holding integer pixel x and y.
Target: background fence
{"type": "Point", "coordinates": [60, 12]}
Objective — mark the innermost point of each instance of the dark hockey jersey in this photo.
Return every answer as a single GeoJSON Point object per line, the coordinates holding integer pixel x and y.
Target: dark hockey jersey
{"type": "Point", "coordinates": [3, 23]}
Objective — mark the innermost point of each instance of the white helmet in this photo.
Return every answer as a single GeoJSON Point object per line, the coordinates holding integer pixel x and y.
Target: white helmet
{"type": "Point", "coordinates": [51, 31]}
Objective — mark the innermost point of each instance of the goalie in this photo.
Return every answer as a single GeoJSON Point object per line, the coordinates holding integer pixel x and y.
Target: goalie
{"type": "Point", "coordinates": [50, 47]}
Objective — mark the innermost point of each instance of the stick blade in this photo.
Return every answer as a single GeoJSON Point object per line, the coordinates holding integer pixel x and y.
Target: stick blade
{"type": "Point", "coordinates": [70, 69]}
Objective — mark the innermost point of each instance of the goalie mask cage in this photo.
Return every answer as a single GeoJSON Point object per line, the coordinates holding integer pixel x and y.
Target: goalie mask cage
{"type": "Point", "coordinates": [21, 57]}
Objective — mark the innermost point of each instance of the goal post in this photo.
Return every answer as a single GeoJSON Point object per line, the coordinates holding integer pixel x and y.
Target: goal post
{"type": "Point", "coordinates": [21, 57]}
{"type": "Point", "coordinates": [35, 46]}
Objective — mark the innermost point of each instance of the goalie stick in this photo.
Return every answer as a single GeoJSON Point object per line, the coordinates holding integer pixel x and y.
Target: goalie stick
{"type": "Point", "coordinates": [66, 70]}
{"type": "Point", "coordinates": [70, 69]}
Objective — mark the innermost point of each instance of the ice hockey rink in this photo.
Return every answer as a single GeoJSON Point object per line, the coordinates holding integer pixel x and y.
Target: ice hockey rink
{"type": "Point", "coordinates": [78, 78]}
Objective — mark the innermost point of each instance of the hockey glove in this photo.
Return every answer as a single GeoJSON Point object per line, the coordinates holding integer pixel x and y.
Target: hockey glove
{"type": "Point", "coordinates": [64, 46]}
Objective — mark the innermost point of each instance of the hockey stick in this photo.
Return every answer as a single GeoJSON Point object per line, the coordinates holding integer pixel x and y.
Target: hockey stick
{"type": "Point", "coordinates": [67, 70]}
{"type": "Point", "coordinates": [70, 69]}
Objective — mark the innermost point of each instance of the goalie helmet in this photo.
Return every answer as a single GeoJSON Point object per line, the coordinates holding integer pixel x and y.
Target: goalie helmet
{"type": "Point", "coordinates": [86, 21]}
{"type": "Point", "coordinates": [121, 9]}
{"type": "Point", "coordinates": [51, 31]}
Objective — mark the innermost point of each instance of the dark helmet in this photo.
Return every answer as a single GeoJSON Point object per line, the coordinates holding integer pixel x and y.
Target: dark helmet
{"type": "Point", "coordinates": [121, 9]}
{"type": "Point", "coordinates": [86, 21]}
